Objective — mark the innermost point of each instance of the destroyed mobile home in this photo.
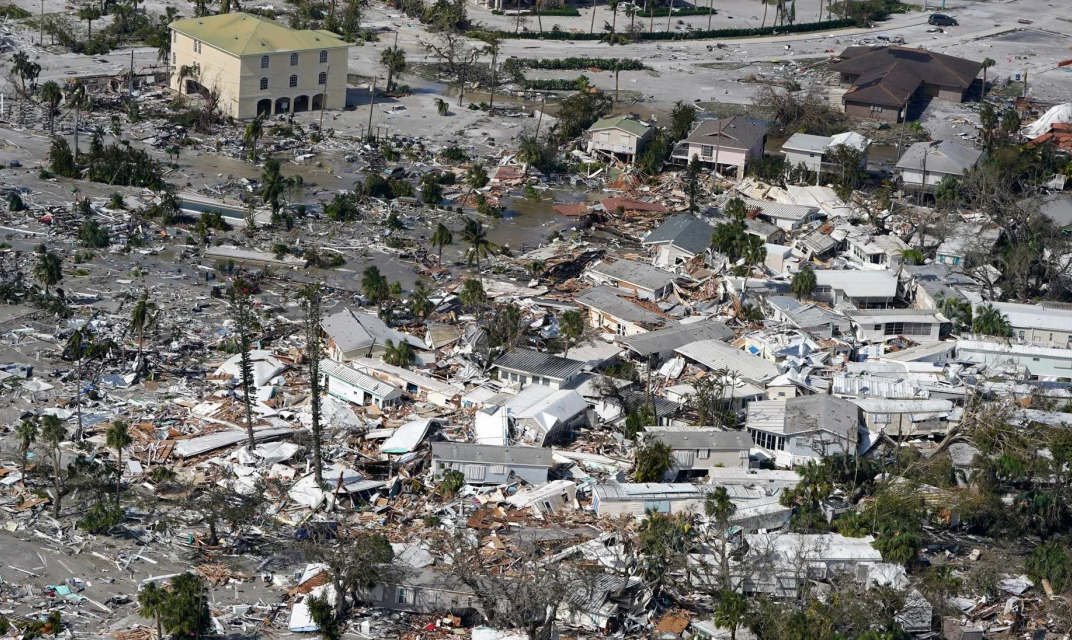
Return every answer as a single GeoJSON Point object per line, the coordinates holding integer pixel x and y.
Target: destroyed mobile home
{"type": "Point", "coordinates": [294, 349]}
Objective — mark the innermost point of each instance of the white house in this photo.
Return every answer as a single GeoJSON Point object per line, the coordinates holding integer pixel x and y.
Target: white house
{"type": "Point", "coordinates": [905, 418]}
{"type": "Point", "coordinates": [351, 385]}
{"type": "Point", "coordinates": [619, 136]}
{"type": "Point", "coordinates": [864, 289]}
{"type": "Point", "coordinates": [1048, 323]}
{"type": "Point", "coordinates": [419, 386]}
{"type": "Point", "coordinates": [642, 280]}
{"type": "Point", "coordinates": [490, 464]}
{"type": "Point", "coordinates": [698, 449]}
{"type": "Point", "coordinates": [611, 309]}
{"type": "Point", "coordinates": [816, 152]}
{"type": "Point", "coordinates": [880, 325]}
{"type": "Point", "coordinates": [804, 428]}
{"type": "Point", "coordinates": [925, 164]}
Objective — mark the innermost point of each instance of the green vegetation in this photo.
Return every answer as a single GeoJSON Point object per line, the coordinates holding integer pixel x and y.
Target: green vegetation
{"type": "Point", "coordinates": [721, 34]}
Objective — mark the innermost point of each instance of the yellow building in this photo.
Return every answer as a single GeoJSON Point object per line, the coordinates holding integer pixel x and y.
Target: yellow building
{"type": "Point", "coordinates": [258, 65]}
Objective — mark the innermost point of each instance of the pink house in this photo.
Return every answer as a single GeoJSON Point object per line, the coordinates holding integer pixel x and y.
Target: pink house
{"type": "Point", "coordinates": [723, 144]}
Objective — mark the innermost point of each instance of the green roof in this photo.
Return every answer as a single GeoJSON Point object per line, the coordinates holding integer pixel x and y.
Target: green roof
{"type": "Point", "coordinates": [244, 34]}
{"type": "Point", "coordinates": [625, 123]}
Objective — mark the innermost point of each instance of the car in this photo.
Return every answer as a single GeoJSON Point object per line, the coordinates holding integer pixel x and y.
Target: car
{"type": "Point", "coordinates": [942, 20]}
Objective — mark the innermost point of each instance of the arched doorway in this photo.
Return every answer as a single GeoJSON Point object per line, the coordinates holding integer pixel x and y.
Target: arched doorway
{"type": "Point", "coordinates": [193, 87]}
{"type": "Point", "coordinates": [282, 105]}
{"type": "Point", "coordinates": [318, 102]}
{"type": "Point", "coordinates": [301, 103]}
{"type": "Point", "coordinates": [264, 107]}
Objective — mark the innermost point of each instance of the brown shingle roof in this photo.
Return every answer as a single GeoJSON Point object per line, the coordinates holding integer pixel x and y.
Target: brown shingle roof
{"type": "Point", "coordinates": [886, 73]}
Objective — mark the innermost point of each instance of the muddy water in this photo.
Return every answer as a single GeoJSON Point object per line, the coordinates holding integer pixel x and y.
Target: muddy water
{"type": "Point", "coordinates": [526, 223]}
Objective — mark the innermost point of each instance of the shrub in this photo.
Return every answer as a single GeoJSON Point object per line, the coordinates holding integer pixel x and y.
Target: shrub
{"type": "Point", "coordinates": [700, 34]}
{"type": "Point", "coordinates": [101, 518]}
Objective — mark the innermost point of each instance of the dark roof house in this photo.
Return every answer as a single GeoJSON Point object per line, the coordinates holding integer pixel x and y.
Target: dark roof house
{"type": "Point", "coordinates": [689, 235]}
{"type": "Point", "coordinates": [883, 79]}
{"type": "Point", "coordinates": [528, 366]}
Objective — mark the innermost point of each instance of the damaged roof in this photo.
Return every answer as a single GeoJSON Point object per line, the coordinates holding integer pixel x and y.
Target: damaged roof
{"type": "Point", "coordinates": [539, 363]}
{"type": "Point", "coordinates": [491, 454]}
{"type": "Point", "coordinates": [684, 231]}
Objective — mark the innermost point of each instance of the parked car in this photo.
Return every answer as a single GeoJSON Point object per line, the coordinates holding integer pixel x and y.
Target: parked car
{"type": "Point", "coordinates": [942, 20]}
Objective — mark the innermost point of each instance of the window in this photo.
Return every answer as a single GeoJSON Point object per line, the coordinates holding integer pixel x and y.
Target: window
{"type": "Point", "coordinates": [323, 57]}
{"type": "Point", "coordinates": [703, 454]}
{"type": "Point", "coordinates": [402, 596]}
{"type": "Point", "coordinates": [620, 329]}
{"type": "Point", "coordinates": [197, 46]}
{"type": "Point", "coordinates": [707, 150]}
{"type": "Point", "coordinates": [475, 472]}
{"type": "Point", "coordinates": [907, 329]}
{"type": "Point", "coordinates": [604, 136]}
{"type": "Point", "coordinates": [264, 83]}
{"type": "Point", "coordinates": [174, 59]}
{"type": "Point", "coordinates": [323, 79]}
{"type": "Point", "coordinates": [293, 81]}
{"type": "Point", "coordinates": [878, 327]}
{"type": "Point", "coordinates": [293, 59]}
{"type": "Point", "coordinates": [781, 444]}
{"type": "Point", "coordinates": [264, 62]}
{"type": "Point", "coordinates": [882, 418]}
{"type": "Point", "coordinates": [1021, 335]}
{"type": "Point", "coordinates": [498, 469]}
{"type": "Point", "coordinates": [174, 36]}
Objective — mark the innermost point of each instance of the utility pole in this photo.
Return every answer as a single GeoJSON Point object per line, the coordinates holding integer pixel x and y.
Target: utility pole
{"type": "Point", "coordinates": [42, 36]}
{"type": "Point", "coordinates": [543, 104]}
{"type": "Point", "coordinates": [324, 102]}
{"type": "Point", "coordinates": [132, 74]}
{"type": "Point", "coordinates": [372, 101]}
{"type": "Point", "coordinates": [1025, 82]}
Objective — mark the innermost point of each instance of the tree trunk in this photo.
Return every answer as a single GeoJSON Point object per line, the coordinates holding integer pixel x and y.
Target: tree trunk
{"type": "Point", "coordinates": [78, 400]}
{"type": "Point", "coordinates": [491, 100]}
{"type": "Point", "coordinates": [764, 15]}
{"type": "Point", "coordinates": [159, 630]}
{"type": "Point", "coordinates": [710, 12]}
{"type": "Point", "coordinates": [517, 24]}
{"type": "Point", "coordinates": [670, 16]}
{"type": "Point", "coordinates": [984, 83]}
{"type": "Point", "coordinates": [614, 20]}
{"type": "Point", "coordinates": [539, 20]}
{"type": "Point", "coordinates": [89, 29]}
{"type": "Point", "coordinates": [119, 478]}
{"type": "Point", "coordinates": [592, 28]}
{"type": "Point", "coordinates": [56, 481]}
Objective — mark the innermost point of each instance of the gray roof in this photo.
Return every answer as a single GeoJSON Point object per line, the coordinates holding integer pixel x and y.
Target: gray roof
{"type": "Point", "coordinates": [645, 344]}
{"type": "Point", "coordinates": [715, 354]}
{"type": "Point", "coordinates": [539, 363]}
{"type": "Point", "coordinates": [818, 242]}
{"type": "Point", "coordinates": [865, 316]}
{"type": "Point", "coordinates": [491, 454]}
{"type": "Point", "coordinates": [830, 413]}
{"type": "Point", "coordinates": [1055, 206]}
{"type": "Point", "coordinates": [636, 273]}
{"type": "Point", "coordinates": [942, 156]}
{"type": "Point", "coordinates": [858, 283]}
{"type": "Point", "coordinates": [610, 301]}
{"type": "Point", "coordinates": [703, 439]}
{"type": "Point", "coordinates": [356, 378]}
{"type": "Point", "coordinates": [760, 228]}
{"type": "Point", "coordinates": [779, 210]}
{"type": "Point", "coordinates": [808, 316]}
{"type": "Point", "coordinates": [352, 331]}
{"type": "Point", "coordinates": [1035, 316]}
{"type": "Point", "coordinates": [684, 231]}
{"type": "Point", "coordinates": [734, 132]}
{"type": "Point", "coordinates": [807, 143]}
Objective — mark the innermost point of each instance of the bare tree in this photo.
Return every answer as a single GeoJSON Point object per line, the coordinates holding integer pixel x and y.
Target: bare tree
{"type": "Point", "coordinates": [457, 55]}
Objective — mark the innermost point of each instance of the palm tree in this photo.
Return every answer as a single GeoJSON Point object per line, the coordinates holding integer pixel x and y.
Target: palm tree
{"type": "Point", "coordinates": [536, 268]}
{"type": "Point", "coordinates": [441, 238]}
{"type": "Point", "coordinates": [143, 318]}
{"type": "Point", "coordinates": [254, 131]}
{"type": "Point", "coordinates": [77, 348]}
{"type": "Point", "coordinates": [764, 23]}
{"type": "Point", "coordinates": [374, 286]}
{"type": "Point", "coordinates": [651, 15]}
{"type": "Point", "coordinates": [731, 611]}
{"type": "Point", "coordinates": [51, 95]}
{"type": "Point", "coordinates": [393, 60]}
{"type": "Point", "coordinates": [571, 325]}
{"type": "Point", "coordinates": [53, 433]}
{"type": "Point", "coordinates": [151, 600]}
{"type": "Point", "coordinates": [399, 354]}
{"type": "Point", "coordinates": [474, 235]}
{"type": "Point", "coordinates": [989, 321]}
{"type": "Point", "coordinates": [48, 270]}
{"type": "Point", "coordinates": [492, 49]}
{"type": "Point", "coordinates": [539, 20]}
{"type": "Point", "coordinates": [804, 281]}
{"type": "Point", "coordinates": [26, 431]}
{"type": "Point", "coordinates": [711, 11]}
{"type": "Point", "coordinates": [753, 252]}
{"type": "Point", "coordinates": [613, 6]}
{"type": "Point", "coordinates": [420, 300]}
{"type": "Point", "coordinates": [592, 28]}
{"type": "Point", "coordinates": [89, 13]}
{"type": "Point", "coordinates": [529, 152]}
{"type": "Point", "coordinates": [118, 436]}
{"type": "Point", "coordinates": [476, 177]}
{"type": "Point", "coordinates": [987, 63]}
{"type": "Point", "coordinates": [988, 120]}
